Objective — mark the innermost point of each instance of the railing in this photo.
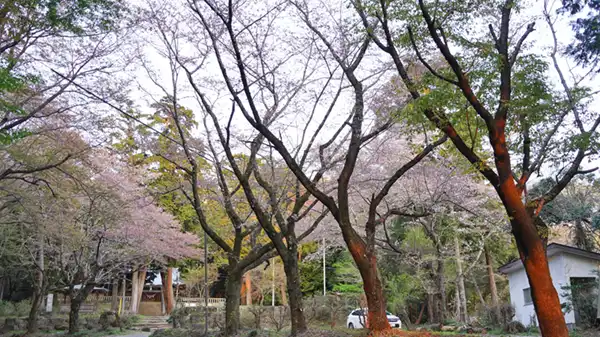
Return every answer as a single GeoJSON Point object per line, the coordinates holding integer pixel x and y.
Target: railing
{"type": "Point", "coordinates": [104, 299]}
{"type": "Point", "coordinates": [212, 301]}
{"type": "Point", "coordinates": [199, 302]}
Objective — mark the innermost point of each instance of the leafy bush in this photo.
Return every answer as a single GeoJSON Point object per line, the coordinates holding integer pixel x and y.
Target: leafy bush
{"type": "Point", "coordinates": [6, 308]}
{"type": "Point", "coordinates": [128, 321]}
{"type": "Point", "coordinates": [514, 327]}
{"type": "Point", "coordinates": [18, 309]}
{"type": "Point", "coordinates": [191, 317]}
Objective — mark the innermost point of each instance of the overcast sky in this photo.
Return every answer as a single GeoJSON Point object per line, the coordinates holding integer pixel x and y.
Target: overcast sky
{"type": "Point", "coordinates": [540, 41]}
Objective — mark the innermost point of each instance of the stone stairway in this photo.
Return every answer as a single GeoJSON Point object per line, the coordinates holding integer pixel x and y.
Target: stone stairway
{"type": "Point", "coordinates": [153, 323]}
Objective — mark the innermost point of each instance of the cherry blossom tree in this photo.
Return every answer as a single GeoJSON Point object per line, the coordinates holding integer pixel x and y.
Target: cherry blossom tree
{"type": "Point", "coordinates": [96, 222]}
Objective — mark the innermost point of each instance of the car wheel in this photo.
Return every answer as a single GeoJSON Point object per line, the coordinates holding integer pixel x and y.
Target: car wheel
{"type": "Point", "coordinates": [350, 326]}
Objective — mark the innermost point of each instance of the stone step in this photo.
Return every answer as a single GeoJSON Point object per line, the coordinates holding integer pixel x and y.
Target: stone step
{"type": "Point", "coordinates": [153, 322]}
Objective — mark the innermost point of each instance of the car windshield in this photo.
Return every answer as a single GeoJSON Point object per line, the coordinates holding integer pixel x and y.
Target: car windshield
{"type": "Point", "coordinates": [388, 313]}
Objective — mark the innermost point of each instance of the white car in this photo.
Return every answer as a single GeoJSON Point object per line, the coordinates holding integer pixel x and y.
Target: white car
{"type": "Point", "coordinates": [358, 318]}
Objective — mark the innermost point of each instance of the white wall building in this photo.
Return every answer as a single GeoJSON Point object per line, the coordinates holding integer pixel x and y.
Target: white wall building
{"type": "Point", "coordinates": [567, 264]}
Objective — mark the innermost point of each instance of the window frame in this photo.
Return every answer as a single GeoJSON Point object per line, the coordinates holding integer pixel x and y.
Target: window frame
{"type": "Point", "coordinates": [526, 294]}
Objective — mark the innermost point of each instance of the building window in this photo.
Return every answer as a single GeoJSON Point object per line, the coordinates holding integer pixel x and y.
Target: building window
{"type": "Point", "coordinates": [527, 296]}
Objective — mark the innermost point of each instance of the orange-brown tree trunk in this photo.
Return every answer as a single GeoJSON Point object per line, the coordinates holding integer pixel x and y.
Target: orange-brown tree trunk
{"type": "Point", "coordinates": [248, 288]}
{"type": "Point", "coordinates": [366, 262]}
{"type": "Point", "coordinates": [532, 251]}
{"type": "Point", "coordinates": [418, 321]}
{"type": "Point", "coordinates": [545, 297]}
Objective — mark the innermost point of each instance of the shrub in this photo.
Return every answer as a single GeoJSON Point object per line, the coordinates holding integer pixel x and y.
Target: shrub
{"type": "Point", "coordinates": [6, 309]}
{"type": "Point", "coordinates": [489, 319]}
{"type": "Point", "coordinates": [18, 309]}
{"type": "Point", "coordinates": [128, 321]}
{"type": "Point", "coordinates": [192, 317]}
{"type": "Point", "coordinates": [257, 312]}
{"type": "Point", "coordinates": [330, 309]}
{"type": "Point", "coordinates": [279, 317]}
{"type": "Point", "coordinates": [581, 297]}
{"type": "Point", "coordinates": [514, 327]}
{"type": "Point", "coordinates": [107, 319]}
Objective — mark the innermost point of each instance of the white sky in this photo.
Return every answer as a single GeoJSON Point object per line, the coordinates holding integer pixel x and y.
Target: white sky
{"type": "Point", "coordinates": [540, 41]}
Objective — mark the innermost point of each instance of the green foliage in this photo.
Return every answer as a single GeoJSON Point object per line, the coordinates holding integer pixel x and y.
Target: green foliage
{"type": "Point", "coordinates": [585, 49]}
{"type": "Point", "coordinates": [348, 288]}
{"type": "Point", "coordinates": [14, 309]}
{"type": "Point", "coordinates": [311, 280]}
{"type": "Point", "coordinates": [74, 16]}
{"type": "Point", "coordinates": [311, 270]}
{"type": "Point", "coordinates": [402, 289]}
{"type": "Point", "coordinates": [581, 297]}
{"type": "Point", "coordinates": [346, 278]}
{"type": "Point", "coordinates": [577, 203]}
{"type": "Point", "coordinates": [11, 137]}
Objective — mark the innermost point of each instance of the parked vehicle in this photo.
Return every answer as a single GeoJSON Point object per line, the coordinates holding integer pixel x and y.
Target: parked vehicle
{"type": "Point", "coordinates": [357, 319]}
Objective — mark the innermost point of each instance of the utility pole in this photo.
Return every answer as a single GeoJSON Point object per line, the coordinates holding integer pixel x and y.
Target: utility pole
{"type": "Point", "coordinates": [273, 285]}
{"type": "Point", "coordinates": [124, 286]}
{"type": "Point", "coordinates": [205, 285]}
{"type": "Point", "coordinates": [324, 271]}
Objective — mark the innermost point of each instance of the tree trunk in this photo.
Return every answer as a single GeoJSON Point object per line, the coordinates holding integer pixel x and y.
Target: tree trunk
{"type": "Point", "coordinates": [544, 295]}
{"type": "Point", "coordinates": [168, 290]}
{"type": "Point", "coordinates": [124, 292]}
{"type": "Point", "coordinates": [141, 282]}
{"type": "Point", "coordinates": [492, 282]}
{"type": "Point", "coordinates": [76, 302]}
{"type": "Point", "coordinates": [248, 287]}
{"type": "Point", "coordinates": [233, 289]}
{"type": "Point", "coordinates": [36, 301]}
{"type": "Point", "coordinates": [462, 296]}
{"type": "Point", "coordinates": [283, 291]}
{"type": "Point", "coordinates": [406, 319]}
{"type": "Point", "coordinates": [38, 291]}
{"type": "Point", "coordinates": [418, 321]}
{"type": "Point", "coordinates": [478, 291]}
{"type": "Point", "coordinates": [290, 264]}
{"type": "Point", "coordinates": [74, 315]}
{"type": "Point", "coordinates": [532, 251]}
{"type": "Point", "coordinates": [457, 306]}
{"type": "Point", "coordinates": [367, 265]}
{"type": "Point", "coordinates": [441, 278]}
{"type": "Point", "coordinates": [431, 308]}
{"type": "Point", "coordinates": [114, 306]}
{"type": "Point", "coordinates": [133, 306]}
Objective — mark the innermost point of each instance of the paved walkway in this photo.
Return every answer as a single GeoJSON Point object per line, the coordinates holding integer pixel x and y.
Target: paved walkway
{"type": "Point", "coordinates": [135, 334]}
